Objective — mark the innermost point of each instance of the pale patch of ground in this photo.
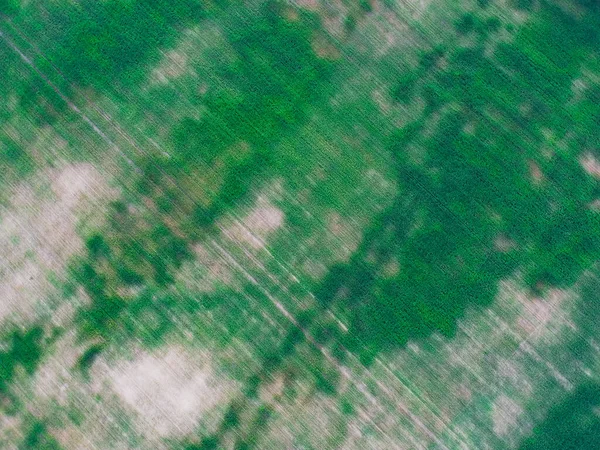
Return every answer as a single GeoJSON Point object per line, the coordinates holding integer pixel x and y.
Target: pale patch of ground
{"type": "Point", "coordinates": [308, 422]}
{"type": "Point", "coordinates": [273, 390]}
{"type": "Point", "coordinates": [10, 431]}
{"type": "Point", "coordinates": [503, 244]}
{"type": "Point", "coordinates": [383, 31]}
{"type": "Point", "coordinates": [314, 269]}
{"type": "Point", "coordinates": [39, 231]}
{"type": "Point", "coordinates": [391, 269]}
{"type": "Point", "coordinates": [206, 272]}
{"type": "Point", "coordinates": [510, 372]}
{"type": "Point", "coordinates": [590, 164]}
{"type": "Point", "coordinates": [536, 314]}
{"type": "Point", "coordinates": [174, 64]}
{"type": "Point", "coordinates": [505, 415]}
{"type": "Point", "coordinates": [78, 417]}
{"type": "Point", "coordinates": [178, 61]}
{"type": "Point", "coordinates": [168, 390]}
{"type": "Point", "coordinates": [343, 235]}
{"type": "Point", "coordinates": [325, 49]}
{"type": "Point", "coordinates": [127, 403]}
{"type": "Point", "coordinates": [264, 219]}
{"type": "Point", "coordinates": [53, 378]}
{"type": "Point", "coordinates": [381, 98]}
{"type": "Point", "coordinates": [535, 172]}
{"type": "Point", "coordinates": [308, 4]}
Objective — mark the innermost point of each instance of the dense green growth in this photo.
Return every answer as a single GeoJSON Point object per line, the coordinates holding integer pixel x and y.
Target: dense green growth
{"type": "Point", "coordinates": [109, 44]}
{"type": "Point", "coordinates": [22, 349]}
{"type": "Point", "coordinates": [38, 438]}
{"type": "Point", "coordinates": [17, 163]}
{"type": "Point", "coordinates": [8, 7]}
{"type": "Point", "coordinates": [271, 86]}
{"type": "Point", "coordinates": [573, 424]}
{"type": "Point", "coordinates": [269, 90]}
{"type": "Point", "coordinates": [483, 191]}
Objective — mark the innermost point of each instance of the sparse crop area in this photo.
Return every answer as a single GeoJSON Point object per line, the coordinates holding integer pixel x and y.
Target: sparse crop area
{"type": "Point", "coordinates": [273, 224]}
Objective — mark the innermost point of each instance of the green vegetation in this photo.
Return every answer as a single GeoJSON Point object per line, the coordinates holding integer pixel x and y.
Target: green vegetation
{"type": "Point", "coordinates": [87, 359]}
{"type": "Point", "coordinates": [108, 44]}
{"type": "Point", "coordinates": [8, 7]}
{"type": "Point", "coordinates": [482, 181]}
{"type": "Point", "coordinates": [573, 424]}
{"type": "Point", "coordinates": [465, 172]}
{"type": "Point", "coordinates": [272, 84]}
{"type": "Point", "coordinates": [38, 438]}
{"type": "Point", "coordinates": [15, 159]}
{"type": "Point", "coordinates": [22, 350]}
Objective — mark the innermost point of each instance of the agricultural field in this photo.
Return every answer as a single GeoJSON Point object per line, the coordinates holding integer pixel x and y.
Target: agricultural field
{"type": "Point", "coordinates": [299, 224]}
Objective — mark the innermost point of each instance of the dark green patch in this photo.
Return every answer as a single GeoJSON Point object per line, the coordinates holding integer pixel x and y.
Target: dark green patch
{"type": "Point", "coordinates": [87, 359]}
{"type": "Point", "coordinates": [465, 179]}
{"type": "Point", "coordinates": [573, 424]}
{"type": "Point", "coordinates": [23, 349]}
{"type": "Point", "coordinates": [14, 160]}
{"type": "Point", "coordinates": [109, 44]}
{"type": "Point", "coordinates": [207, 443]}
{"type": "Point", "coordinates": [9, 7]}
{"type": "Point", "coordinates": [38, 438]}
{"type": "Point", "coordinates": [277, 79]}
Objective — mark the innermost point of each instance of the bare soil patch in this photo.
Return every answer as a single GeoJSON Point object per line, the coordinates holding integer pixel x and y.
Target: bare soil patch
{"type": "Point", "coordinates": [169, 390]}
{"type": "Point", "coordinates": [505, 415]}
{"type": "Point", "coordinates": [257, 225]}
{"type": "Point", "coordinates": [590, 164]}
{"type": "Point", "coordinates": [39, 230]}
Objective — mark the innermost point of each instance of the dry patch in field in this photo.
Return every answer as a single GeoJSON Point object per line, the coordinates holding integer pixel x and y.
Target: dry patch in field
{"type": "Point", "coordinates": [10, 431]}
{"type": "Point", "coordinates": [173, 65]}
{"type": "Point", "coordinates": [259, 223]}
{"type": "Point", "coordinates": [344, 236]}
{"type": "Point", "coordinates": [535, 172]}
{"type": "Point", "coordinates": [74, 414]}
{"type": "Point", "coordinates": [505, 415]}
{"type": "Point", "coordinates": [52, 381]}
{"type": "Point", "coordinates": [206, 273]}
{"type": "Point", "coordinates": [590, 164]}
{"type": "Point", "coordinates": [39, 230]}
{"type": "Point", "coordinates": [170, 390]}
{"type": "Point", "coordinates": [311, 420]}
{"type": "Point", "coordinates": [313, 5]}
{"type": "Point", "coordinates": [388, 32]}
{"type": "Point", "coordinates": [178, 61]}
{"type": "Point", "coordinates": [536, 315]}
{"type": "Point", "coordinates": [140, 401]}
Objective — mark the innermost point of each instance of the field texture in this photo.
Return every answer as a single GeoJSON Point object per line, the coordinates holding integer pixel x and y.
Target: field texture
{"type": "Point", "coordinates": [299, 224]}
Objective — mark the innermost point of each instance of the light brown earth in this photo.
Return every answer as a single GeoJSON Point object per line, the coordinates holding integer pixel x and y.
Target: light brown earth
{"type": "Point", "coordinates": [590, 164]}
{"type": "Point", "coordinates": [169, 390]}
{"type": "Point", "coordinates": [257, 225]}
{"type": "Point", "coordinates": [39, 231]}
